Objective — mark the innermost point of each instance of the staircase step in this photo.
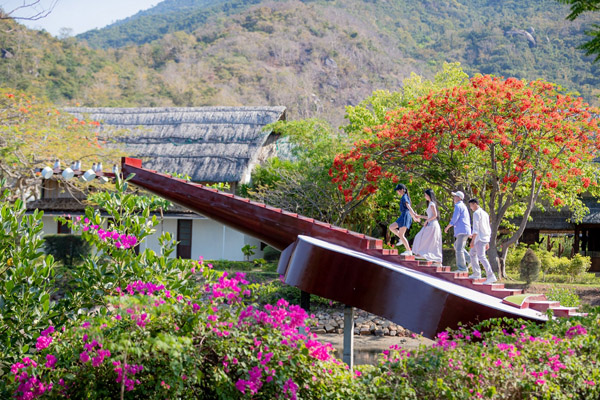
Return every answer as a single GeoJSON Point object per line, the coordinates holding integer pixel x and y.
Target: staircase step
{"type": "Point", "coordinates": [564, 311]}
{"type": "Point", "coordinates": [470, 282]}
{"type": "Point", "coordinates": [360, 235]}
{"type": "Point", "coordinates": [375, 244]}
{"type": "Point", "coordinates": [578, 314]}
{"type": "Point", "coordinates": [523, 300]}
{"type": "Point", "coordinates": [337, 228]}
{"type": "Point", "coordinates": [542, 305]}
{"type": "Point", "coordinates": [452, 275]}
{"type": "Point", "coordinates": [389, 252]}
{"type": "Point", "coordinates": [321, 223]}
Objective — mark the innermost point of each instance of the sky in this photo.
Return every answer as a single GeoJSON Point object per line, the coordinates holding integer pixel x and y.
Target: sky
{"type": "Point", "coordinates": [78, 15]}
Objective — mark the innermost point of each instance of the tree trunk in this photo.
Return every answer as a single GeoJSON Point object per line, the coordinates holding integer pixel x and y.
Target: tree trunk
{"type": "Point", "coordinates": [495, 259]}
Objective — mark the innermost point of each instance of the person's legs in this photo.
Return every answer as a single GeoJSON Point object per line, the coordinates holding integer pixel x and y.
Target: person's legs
{"type": "Point", "coordinates": [401, 232]}
{"type": "Point", "coordinates": [467, 257]}
{"type": "Point", "coordinates": [491, 277]}
{"type": "Point", "coordinates": [459, 250]}
{"type": "Point", "coordinates": [474, 264]}
{"type": "Point", "coordinates": [394, 228]}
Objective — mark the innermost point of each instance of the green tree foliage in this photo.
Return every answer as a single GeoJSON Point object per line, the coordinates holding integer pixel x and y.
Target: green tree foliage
{"type": "Point", "coordinates": [579, 7]}
{"type": "Point", "coordinates": [26, 281]}
{"type": "Point", "coordinates": [301, 182]}
{"type": "Point", "coordinates": [68, 249]}
{"type": "Point", "coordinates": [314, 57]}
{"type": "Point", "coordinates": [515, 144]}
{"type": "Point", "coordinates": [33, 134]}
{"type": "Point", "coordinates": [530, 267]}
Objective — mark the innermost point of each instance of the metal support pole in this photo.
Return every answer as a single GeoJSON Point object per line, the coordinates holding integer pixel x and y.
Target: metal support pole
{"type": "Point", "coordinates": [305, 300]}
{"type": "Point", "coordinates": [348, 354]}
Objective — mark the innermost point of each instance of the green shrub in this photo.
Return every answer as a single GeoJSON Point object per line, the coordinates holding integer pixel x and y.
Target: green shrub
{"type": "Point", "coordinates": [26, 281]}
{"type": "Point", "coordinates": [503, 359]}
{"type": "Point", "coordinates": [115, 262]}
{"type": "Point", "coordinates": [271, 254]}
{"type": "Point", "coordinates": [579, 265]}
{"type": "Point", "coordinates": [567, 297]}
{"type": "Point", "coordinates": [248, 251]}
{"type": "Point", "coordinates": [227, 265]}
{"type": "Point", "coordinates": [550, 264]}
{"type": "Point", "coordinates": [530, 267]}
{"type": "Point", "coordinates": [270, 293]}
{"type": "Point", "coordinates": [68, 249]}
{"type": "Point", "coordinates": [214, 344]}
{"type": "Point", "coordinates": [514, 257]}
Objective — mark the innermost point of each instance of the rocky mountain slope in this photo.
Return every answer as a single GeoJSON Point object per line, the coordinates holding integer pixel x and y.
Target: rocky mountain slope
{"type": "Point", "coordinates": [314, 57]}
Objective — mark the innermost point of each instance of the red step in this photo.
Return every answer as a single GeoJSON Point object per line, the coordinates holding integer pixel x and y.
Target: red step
{"type": "Point", "coordinates": [565, 311]}
{"type": "Point", "coordinates": [542, 305]}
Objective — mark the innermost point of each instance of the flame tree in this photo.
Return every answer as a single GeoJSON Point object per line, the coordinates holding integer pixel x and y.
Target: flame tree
{"type": "Point", "coordinates": [511, 143]}
{"type": "Point", "coordinates": [34, 133]}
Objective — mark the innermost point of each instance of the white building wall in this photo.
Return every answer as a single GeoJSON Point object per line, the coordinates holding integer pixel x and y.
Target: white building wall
{"type": "Point", "coordinates": [50, 225]}
{"type": "Point", "coordinates": [210, 239]}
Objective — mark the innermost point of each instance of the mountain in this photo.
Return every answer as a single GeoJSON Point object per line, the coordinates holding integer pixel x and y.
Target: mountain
{"type": "Point", "coordinates": [314, 57]}
{"type": "Point", "coordinates": [166, 17]}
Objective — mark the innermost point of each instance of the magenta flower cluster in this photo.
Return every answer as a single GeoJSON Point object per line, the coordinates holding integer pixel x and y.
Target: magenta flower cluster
{"type": "Point", "coordinates": [93, 351]}
{"type": "Point", "coordinates": [290, 321]}
{"type": "Point", "coordinates": [119, 240]}
{"type": "Point", "coordinates": [30, 386]}
{"type": "Point", "coordinates": [228, 288]}
{"type": "Point", "coordinates": [509, 354]}
{"type": "Point", "coordinates": [127, 372]}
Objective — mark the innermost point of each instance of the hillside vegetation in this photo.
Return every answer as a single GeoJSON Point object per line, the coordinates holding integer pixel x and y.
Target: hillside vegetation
{"type": "Point", "coordinates": [314, 57]}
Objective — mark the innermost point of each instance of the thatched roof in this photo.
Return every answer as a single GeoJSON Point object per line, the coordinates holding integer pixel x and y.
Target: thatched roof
{"type": "Point", "coordinates": [64, 206]}
{"type": "Point", "coordinates": [210, 144]}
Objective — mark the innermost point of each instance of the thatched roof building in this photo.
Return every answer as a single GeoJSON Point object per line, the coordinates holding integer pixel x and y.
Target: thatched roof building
{"type": "Point", "coordinates": [209, 144]}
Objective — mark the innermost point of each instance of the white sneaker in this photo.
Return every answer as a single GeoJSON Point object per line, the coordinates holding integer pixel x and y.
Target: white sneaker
{"type": "Point", "coordinates": [490, 280]}
{"type": "Point", "coordinates": [407, 253]}
{"type": "Point", "coordinates": [474, 276]}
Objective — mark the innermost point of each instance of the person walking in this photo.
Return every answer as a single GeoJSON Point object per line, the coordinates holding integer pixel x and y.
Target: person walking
{"type": "Point", "coordinates": [480, 243]}
{"type": "Point", "coordinates": [428, 242]}
{"type": "Point", "coordinates": [461, 222]}
{"type": "Point", "coordinates": [407, 215]}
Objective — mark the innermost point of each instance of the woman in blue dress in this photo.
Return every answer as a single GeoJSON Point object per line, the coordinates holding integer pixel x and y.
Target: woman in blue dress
{"type": "Point", "coordinates": [407, 215]}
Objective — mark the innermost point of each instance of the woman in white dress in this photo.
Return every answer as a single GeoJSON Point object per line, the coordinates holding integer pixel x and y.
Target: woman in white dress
{"type": "Point", "coordinates": [428, 242]}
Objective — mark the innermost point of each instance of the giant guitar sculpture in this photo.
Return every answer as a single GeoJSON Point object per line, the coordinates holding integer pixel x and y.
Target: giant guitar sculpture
{"type": "Point", "coordinates": [351, 267]}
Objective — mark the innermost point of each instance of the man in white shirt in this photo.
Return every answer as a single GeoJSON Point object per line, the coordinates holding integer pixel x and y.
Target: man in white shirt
{"type": "Point", "coordinates": [480, 243]}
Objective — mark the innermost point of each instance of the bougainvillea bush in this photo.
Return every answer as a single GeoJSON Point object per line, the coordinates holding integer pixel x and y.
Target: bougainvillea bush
{"type": "Point", "coordinates": [505, 359]}
{"type": "Point", "coordinates": [155, 343]}
{"type": "Point", "coordinates": [216, 344]}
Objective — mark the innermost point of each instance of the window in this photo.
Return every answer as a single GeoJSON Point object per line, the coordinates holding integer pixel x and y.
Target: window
{"type": "Point", "coordinates": [63, 228]}
{"type": "Point", "coordinates": [184, 237]}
